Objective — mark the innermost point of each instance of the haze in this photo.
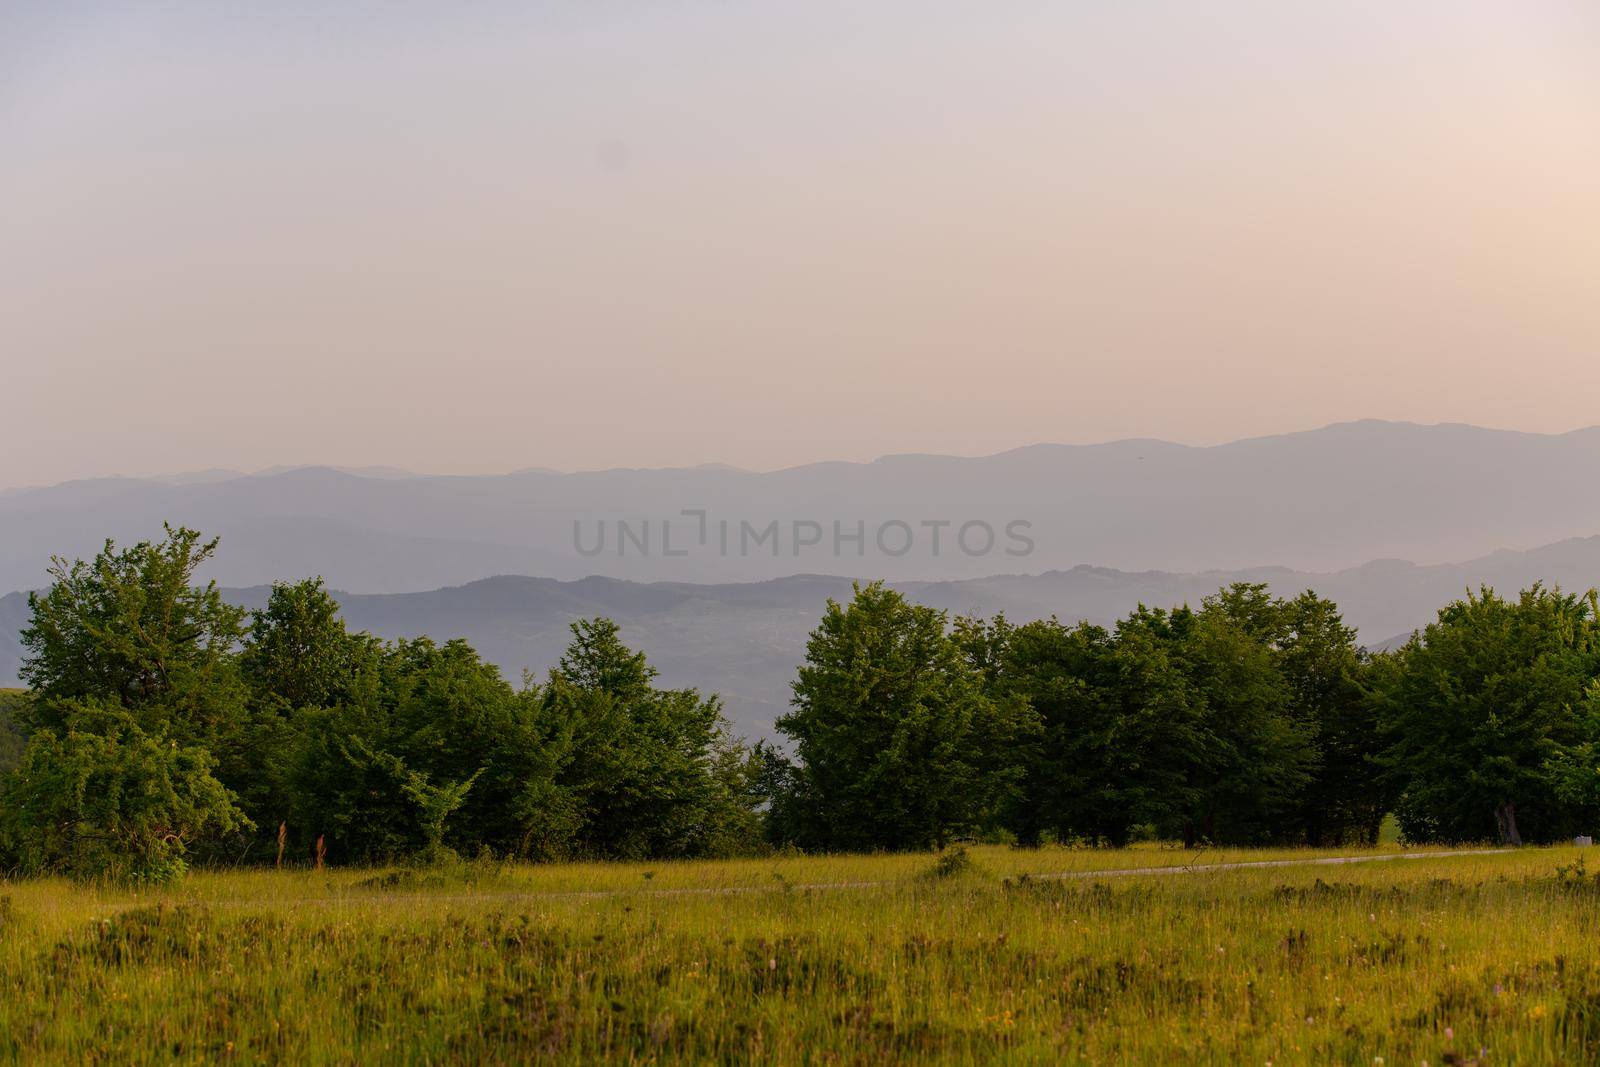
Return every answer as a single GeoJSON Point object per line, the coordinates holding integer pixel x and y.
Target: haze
{"type": "Point", "coordinates": [621, 234]}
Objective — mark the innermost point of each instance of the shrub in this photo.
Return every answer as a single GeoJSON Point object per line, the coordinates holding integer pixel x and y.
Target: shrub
{"type": "Point", "coordinates": [111, 803]}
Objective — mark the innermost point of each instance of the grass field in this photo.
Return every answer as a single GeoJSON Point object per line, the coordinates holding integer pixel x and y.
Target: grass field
{"type": "Point", "coordinates": [1444, 960]}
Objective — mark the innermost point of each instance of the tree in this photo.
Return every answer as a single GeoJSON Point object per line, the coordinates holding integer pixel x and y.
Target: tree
{"type": "Point", "coordinates": [1120, 740]}
{"type": "Point", "coordinates": [299, 652]}
{"type": "Point", "coordinates": [1487, 712]}
{"type": "Point", "coordinates": [1322, 666]}
{"type": "Point", "coordinates": [133, 628]}
{"type": "Point", "coordinates": [105, 799]}
{"type": "Point", "coordinates": [1326, 670]}
{"type": "Point", "coordinates": [372, 774]}
{"type": "Point", "coordinates": [1159, 749]}
{"type": "Point", "coordinates": [1575, 769]}
{"type": "Point", "coordinates": [441, 754]}
{"type": "Point", "coordinates": [646, 771]}
{"type": "Point", "coordinates": [1263, 749]}
{"type": "Point", "coordinates": [12, 739]}
{"type": "Point", "coordinates": [135, 687]}
{"type": "Point", "coordinates": [897, 744]}
{"type": "Point", "coordinates": [432, 804]}
{"type": "Point", "coordinates": [297, 656]}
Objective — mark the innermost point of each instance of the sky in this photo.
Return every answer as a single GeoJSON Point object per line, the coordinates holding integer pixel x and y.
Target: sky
{"type": "Point", "coordinates": [479, 237]}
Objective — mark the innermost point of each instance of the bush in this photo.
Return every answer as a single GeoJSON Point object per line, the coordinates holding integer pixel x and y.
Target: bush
{"type": "Point", "coordinates": [111, 803]}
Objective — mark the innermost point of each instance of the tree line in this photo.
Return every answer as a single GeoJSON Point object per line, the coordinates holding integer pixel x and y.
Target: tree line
{"type": "Point", "coordinates": [164, 726]}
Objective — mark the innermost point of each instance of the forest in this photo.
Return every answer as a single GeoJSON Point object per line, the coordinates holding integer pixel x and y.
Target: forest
{"type": "Point", "coordinates": [162, 728]}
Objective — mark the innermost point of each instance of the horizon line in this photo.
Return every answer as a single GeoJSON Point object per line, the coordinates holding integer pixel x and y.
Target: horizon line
{"type": "Point", "coordinates": [382, 472]}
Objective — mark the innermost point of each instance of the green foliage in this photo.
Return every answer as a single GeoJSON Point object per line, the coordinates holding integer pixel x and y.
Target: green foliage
{"type": "Point", "coordinates": [299, 652]}
{"type": "Point", "coordinates": [133, 628]}
{"type": "Point", "coordinates": [12, 739]}
{"type": "Point", "coordinates": [1120, 742]}
{"type": "Point", "coordinates": [645, 771]}
{"type": "Point", "coordinates": [135, 686]}
{"type": "Point", "coordinates": [1491, 715]}
{"type": "Point", "coordinates": [1262, 752]}
{"type": "Point", "coordinates": [104, 799]}
{"type": "Point", "coordinates": [952, 863]}
{"type": "Point", "coordinates": [441, 755]}
{"type": "Point", "coordinates": [1186, 722]}
{"type": "Point", "coordinates": [437, 718]}
{"type": "Point", "coordinates": [162, 730]}
{"type": "Point", "coordinates": [898, 744]}
{"type": "Point", "coordinates": [433, 803]}
{"type": "Point", "coordinates": [1326, 670]}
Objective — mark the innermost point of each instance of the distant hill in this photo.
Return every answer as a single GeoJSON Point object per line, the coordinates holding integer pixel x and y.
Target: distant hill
{"type": "Point", "coordinates": [744, 640]}
{"type": "Point", "coordinates": [1318, 501]}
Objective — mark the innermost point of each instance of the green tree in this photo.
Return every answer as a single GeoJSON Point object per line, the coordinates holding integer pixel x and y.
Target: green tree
{"type": "Point", "coordinates": [104, 799]}
{"type": "Point", "coordinates": [128, 659]}
{"type": "Point", "coordinates": [132, 627]}
{"type": "Point", "coordinates": [1326, 670]}
{"type": "Point", "coordinates": [432, 804]}
{"type": "Point", "coordinates": [1487, 711]}
{"type": "Point", "coordinates": [299, 651]}
{"type": "Point", "coordinates": [12, 739]}
{"type": "Point", "coordinates": [452, 717]}
{"type": "Point", "coordinates": [1264, 748]}
{"type": "Point", "coordinates": [1575, 768]}
{"type": "Point", "coordinates": [897, 743]}
{"type": "Point", "coordinates": [646, 771]}
{"type": "Point", "coordinates": [434, 717]}
{"type": "Point", "coordinates": [1120, 740]}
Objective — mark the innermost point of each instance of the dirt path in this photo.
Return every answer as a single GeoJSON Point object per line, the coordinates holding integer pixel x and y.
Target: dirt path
{"type": "Point", "coordinates": [705, 891]}
{"type": "Point", "coordinates": [1241, 865]}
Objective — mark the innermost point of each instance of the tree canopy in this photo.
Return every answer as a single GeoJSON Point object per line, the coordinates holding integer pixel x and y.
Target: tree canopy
{"type": "Point", "coordinates": [164, 726]}
{"type": "Point", "coordinates": [1489, 710]}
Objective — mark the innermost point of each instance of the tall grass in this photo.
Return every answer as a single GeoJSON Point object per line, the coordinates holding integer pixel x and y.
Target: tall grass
{"type": "Point", "coordinates": [1488, 958]}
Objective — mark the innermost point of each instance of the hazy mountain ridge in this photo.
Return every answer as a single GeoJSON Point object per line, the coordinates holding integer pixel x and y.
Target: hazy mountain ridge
{"type": "Point", "coordinates": [744, 640]}
{"type": "Point", "coordinates": [1318, 501]}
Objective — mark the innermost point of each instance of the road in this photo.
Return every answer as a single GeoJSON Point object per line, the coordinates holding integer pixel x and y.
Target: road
{"type": "Point", "coordinates": [780, 887]}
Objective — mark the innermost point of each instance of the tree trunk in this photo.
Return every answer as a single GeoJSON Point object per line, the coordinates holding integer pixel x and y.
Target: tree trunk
{"type": "Point", "coordinates": [1505, 823]}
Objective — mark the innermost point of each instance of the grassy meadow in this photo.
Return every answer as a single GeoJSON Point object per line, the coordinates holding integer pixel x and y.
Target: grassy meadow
{"type": "Point", "coordinates": [1488, 958]}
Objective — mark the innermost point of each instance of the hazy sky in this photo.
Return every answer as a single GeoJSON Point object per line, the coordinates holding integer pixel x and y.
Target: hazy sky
{"type": "Point", "coordinates": [475, 237]}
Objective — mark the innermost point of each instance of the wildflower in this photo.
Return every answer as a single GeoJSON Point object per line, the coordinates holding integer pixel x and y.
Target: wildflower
{"type": "Point", "coordinates": [1449, 1033]}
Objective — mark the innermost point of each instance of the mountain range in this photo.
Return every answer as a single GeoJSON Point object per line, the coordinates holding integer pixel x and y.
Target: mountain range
{"type": "Point", "coordinates": [1320, 501]}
